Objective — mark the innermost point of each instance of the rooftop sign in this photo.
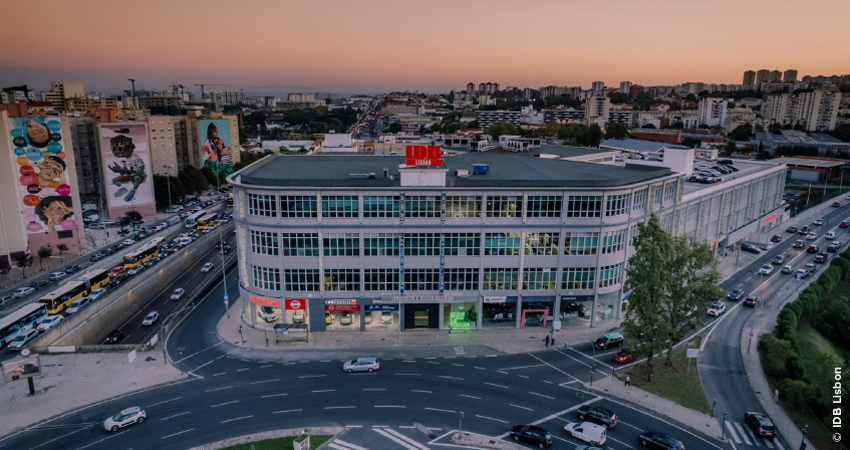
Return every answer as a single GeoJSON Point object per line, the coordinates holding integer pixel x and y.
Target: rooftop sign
{"type": "Point", "coordinates": [422, 155]}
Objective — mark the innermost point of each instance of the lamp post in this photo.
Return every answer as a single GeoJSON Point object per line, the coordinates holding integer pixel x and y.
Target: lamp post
{"type": "Point", "coordinates": [168, 178]}
{"type": "Point", "coordinates": [805, 431]}
{"type": "Point", "coordinates": [221, 241]}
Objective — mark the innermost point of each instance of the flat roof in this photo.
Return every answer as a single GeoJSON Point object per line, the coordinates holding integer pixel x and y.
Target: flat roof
{"type": "Point", "coordinates": [636, 145]}
{"type": "Point", "coordinates": [816, 163]}
{"type": "Point", "coordinates": [507, 169]}
{"type": "Point", "coordinates": [745, 167]}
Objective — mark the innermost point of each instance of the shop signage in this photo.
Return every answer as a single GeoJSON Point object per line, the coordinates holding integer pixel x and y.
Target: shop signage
{"type": "Point", "coordinates": [576, 298]}
{"type": "Point", "coordinates": [495, 299]}
{"type": "Point", "coordinates": [342, 307]}
{"type": "Point", "coordinates": [341, 302]}
{"type": "Point", "coordinates": [422, 155]}
{"type": "Point", "coordinates": [770, 218]}
{"type": "Point", "coordinates": [262, 301]}
{"type": "Point", "coordinates": [422, 298]}
{"type": "Point", "coordinates": [384, 307]}
{"type": "Point", "coordinates": [296, 303]}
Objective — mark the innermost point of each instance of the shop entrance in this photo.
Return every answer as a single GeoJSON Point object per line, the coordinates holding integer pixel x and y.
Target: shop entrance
{"type": "Point", "coordinates": [421, 316]}
{"type": "Point", "coordinates": [542, 316]}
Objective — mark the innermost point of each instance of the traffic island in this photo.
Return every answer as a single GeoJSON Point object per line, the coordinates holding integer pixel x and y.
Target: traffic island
{"type": "Point", "coordinates": [275, 440]}
{"type": "Point", "coordinates": [475, 441]}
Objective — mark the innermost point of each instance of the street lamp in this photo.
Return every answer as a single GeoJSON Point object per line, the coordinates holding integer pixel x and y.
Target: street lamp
{"type": "Point", "coordinates": [221, 242]}
{"type": "Point", "coordinates": [168, 178]}
{"type": "Point", "coordinates": [805, 431]}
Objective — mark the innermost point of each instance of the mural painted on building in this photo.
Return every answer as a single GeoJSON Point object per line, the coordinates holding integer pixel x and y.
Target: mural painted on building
{"type": "Point", "coordinates": [216, 146]}
{"type": "Point", "coordinates": [43, 172]}
{"type": "Point", "coordinates": [126, 157]}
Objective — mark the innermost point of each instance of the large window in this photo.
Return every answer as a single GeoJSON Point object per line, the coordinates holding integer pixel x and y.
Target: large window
{"type": "Point", "coordinates": [539, 278]}
{"type": "Point", "coordinates": [667, 222]}
{"type": "Point", "coordinates": [670, 191]}
{"type": "Point", "coordinates": [639, 202]}
{"type": "Point", "coordinates": [300, 244]}
{"type": "Point", "coordinates": [578, 277]}
{"type": "Point", "coordinates": [544, 206]}
{"type": "Point", "coordinates": [421, 244]}
{"type": "Point", "coordinates": [502, 244]}
{"type": "Point", "coordinates": [380, 279]}
{"type": "Point", "coordinates": [581, 243]}
{"type": "Point", "coordinates": [500, 279]}
{"type": "Point", "coordinates": [341, 244]}
{"type": "Point", "coordinates": [612, 241]}
{"type": "Point", "coordinates": [465, 279]}
{"type": "Point", "coordinates": [340, 206]}
{"type": "Point", "coordinates": [463, 206]}
{"type": "Point", "coordinates": [342, 279]}
{"type": "Point", "coordinates": [658, 191]}
{"type": "Point", "coordinates": [693, 213]}
{"type": "Point", "coordinates": [267, 278]}
{"type": "Point", "coordinates": [422, 279]}
{"type": "Point", "coordinates": [542, 243]}
{"type": "Point", "coordinates": [302, 279]}
{"type": "Point", "coordinates": [262, 205]}
{"type": "Point", "coordinates": [381, 206]}
{"type": "Point", "coordinates": [299, 206]}
{"type": "Point", "coordinates": [610, 275]}
{"type": "Point", "coordinates": [380, 244]}
{"type": "Point", "coordinates": [463, 244]}
{"type": "Point", "coordinates": [422, 206]}
{"type": "Point", "coordinates": [264, 243]}
{"type": "Point", "coordinates": [634, 231]}
{"type": "Point", "coordinates": [502, 206]}
{"type": "Point", "coordinates": [617, 204]}
{"type": "Point", "coordinates": [584, 206]}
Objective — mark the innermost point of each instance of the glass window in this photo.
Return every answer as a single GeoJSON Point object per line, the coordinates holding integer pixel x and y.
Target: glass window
{"type": "Point", "coordinates": [670, 191]}
{"type": "Point", "coordinates": [542, 243]}
{"type": "Point", "coordinates": [606, 306]}
{"type": "Point", "coordinates": [264, 242]}
{"type": "Point", "coordinates": [658, 191]}
{"type": "Point", "coordinates": [500, 279]}
{"type": "Point", "coordinates": [463, 206]}
{"type": "Point", "coordinates": [422, 279]}
{"type": "Point", "coordinates": [581, 243]}
{"type": "Point", "coordinates": [341, 244]}
{"type": "Point", "coordinates": [667, 222]}
{"type": "Point", "coordinates": [610, 275]}
{"type": "Point", "coordinates": [299, 206]}
{"type": "Point", "coordinates": [612, 241]}
{"type": "Point", "coordinates": [617, 204]}
{"type": "Point", "coordinates": [502, 244]}
{"type": "Point", "coordinates": [381, 206]}
{"type": "Point", "coordinates": [693, 213]}
{"type": "Point", "coordinates": [539, 278]}
{"type": "Point", "coordinates": [500, 314]}
{"type": "Point", "coordinates": [544, 206]}
{"type": "Point", "coordinates": [578, 277]}
{"type": "Point", "coordinates": [460, 315]}
{"type": "Point", "coordinates": [342, 279]}
{"type": "Point", "coordinates": [381, 279]}
{"type": "Point", "coordinates": [421, 244]}
{"type": "Point", "coordinates": [340, 206]}
{"type": "Point", "coordinates": [381, 244]}
{"type": "Point", "coordinates": [300, 244]}
{"type": "Point", "coordinates": [262, 205]}
{"type": "Point", "coordinates": [302, 279]}
{"type": "Point", "coordinates": [266, 278]}
{"type": "Point", "coordinates": [640, 199]}
{"type": "Point", "coordinates": [462, 244]}
{"type": "Point", "coordinates": [633, 233]}
{"type": "Point", "coordinates": [584, 206]}
{"type": "Point", "coordinates": [503, 206]}
{"type": "Point", "coordinates": [422, 206]}
{"type": "Point", "coordinates": [575, 311]}
{"type": "Point", "coordinates": [465, 279]}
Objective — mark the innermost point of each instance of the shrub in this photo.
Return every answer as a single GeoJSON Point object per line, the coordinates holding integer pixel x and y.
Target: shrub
{"type": "Point", "coordinates": [843, 264]}
{"type": "Point", "coordinates": [817, 289]}
{"type": "Point", "coordinates": [834, 322]}
{"type": "Point", "coordinates": [777, 353]}
{"type": "Point", "coordinates": [797, 308]}
{"type": "Point", "coordinates": [809, 302]}
{"type": "Point", "coordinates": [796, 392]}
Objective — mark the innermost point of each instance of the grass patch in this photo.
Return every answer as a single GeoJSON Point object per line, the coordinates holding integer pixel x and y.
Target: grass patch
{"type": "Point", "coordinates": [283, 443]}
{"type": "Point", "coordinates": [675, 383]}
{"type": "Point", "coordinates": [811, 340]}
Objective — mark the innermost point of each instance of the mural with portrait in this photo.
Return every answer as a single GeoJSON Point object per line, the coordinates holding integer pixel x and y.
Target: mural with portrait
{"type": "Point", "coordinates": [43, 172]}
{"type": "Point", "coordinates": [216, 146]}
{"type": "Point", "coordinates": [126, 162]}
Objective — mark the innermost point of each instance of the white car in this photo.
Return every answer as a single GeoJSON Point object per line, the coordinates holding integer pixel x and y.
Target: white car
{"type": "Point", "coordinates": [95, 294]}
{"type": "Point", "coordinates": [126, 417]}
{"type": "Point", "coordinates": [20, 292]}
{"type": "Point", "coordinates": [717, 309]}
{"type": "Point", "coordinates": [174, 209]}
{"type": "Point", "coordinates": [787, 269]}
{"type": "Point", "coordinates": [588, 432]}
{"type": "Point", "coordinates": [178, 294]}
{"type": "Point", "coordinates": [829, 235]}
{"type": "Point", "coordinates": [56, 276]}
{"type": "Point", "coordinates": [361, 365]}
{"type": "Point", "coordinates": [386, 317]}
{"type": "Point", "coordinates": [812, 236]}
{"type": "Point", "coordinates": [78, 305]}
{"type": "Point", "coordinates": [127, 242]}
{"type": "Point", "coordinates": [49, 323]}
{"type": "Point", "coordinates": [207, 267]}
{"type": "Point", "coordinates": [25, 335]}
{"type": "Point", "coordinates": [151, 319]}
{"type": "Point", "coordinates": [89, 206]}
{"type": "Point", "coordinates": [766, 269]}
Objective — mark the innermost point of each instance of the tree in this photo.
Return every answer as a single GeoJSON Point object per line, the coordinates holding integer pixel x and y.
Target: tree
{"type": "Point", "coordinates": [775, 128]}
{"type": "Point", "coordinates": [44, 253]}
{"type": "Point", "coordinates": [762, 154]}
{"type": "Point", "coordinates": [759, 128]}
{"type": "Point", "coordinates": [616, 131]}
{"type": "Point", "coordinates": [62, 249]}
{"type": "Point", "coordinates": [691, 142]}
{"type": "Point", "coordinates": [730, 148]}
{"type": "Point", "coordinates": [395, 128]}
{"type": "Point", "coordinates": [500, 129]}
{"type": "Point", "coordinates": [842, 132]}
{"type": "Point", "coordinates": [209, 175]}
{"type": "Point", "coordinates": [473, 124]}
{"type": "Point", "coordinates": [23, 261]}
{"type": "Point", "coordinates": [742, 132]}
{"type": "Point", "coordinates": [595, 135]}
{"type": "Point", "coordinates": [649, 126]}
{"type": "Point", "coordinates": [5, 266]}
{"type": "Point", "coordinates": [451, 97]}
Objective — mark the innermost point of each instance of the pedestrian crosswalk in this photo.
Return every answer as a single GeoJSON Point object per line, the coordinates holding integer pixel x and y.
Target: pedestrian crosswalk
{"type": "Point", "coordinates": [399, 439]}
{"type": "Point", "coordinates": [743, 435]}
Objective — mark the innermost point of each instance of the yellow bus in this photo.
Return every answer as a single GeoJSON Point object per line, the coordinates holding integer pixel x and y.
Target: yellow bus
{"type": "Point", "coordinates": [207, 220]}
{"type": "Point", "coordinates": [96, 278]}
{"type": "Point", "coordinates": [59, 299]}
{"type": "Point", "coordinates": [230, 201]}
{"type": "Point", "coordinates": [143, 253]}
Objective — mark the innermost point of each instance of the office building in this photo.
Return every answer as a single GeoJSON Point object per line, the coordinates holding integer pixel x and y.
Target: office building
{"type": "Point", "coordinates": [712, 111]}
{"type": "Point", "coordinates": [470, 88]}
{"type": "Point", "coordinates": [598, 86]}
{"type": "Point", "coordinates": [762, 76]}
{"type": "Point", "coordinates": [15, 94]}
{"type": "Point", "coordinates": [749, 79]}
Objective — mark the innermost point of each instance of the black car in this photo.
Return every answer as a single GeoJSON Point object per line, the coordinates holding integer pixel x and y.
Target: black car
{"type": "Point", "coordinates": [803, 230]}
{"type": "Point", "coordinates": [660, 441]}
{"type": "Point", "coordinates": [776, 238]}
{"type": "Point", "coordinates": [114, 337]}
{"type": "Point", "coordinates": [760, 424]}
{"type": "Point", "coordinates": [693, 179]}
{"type": "Point", "coordinates": [725, 162]}
{"type": "Point", "coordinates": [812, 249]}
{"type": "Point", "coordinates": [836, 205]}
{"type": "Point", "coordinates": [603, 416]}
{"type": "Point", "coordinates": [821, 258]}
{"type": "Point", "coordinates": [791, 229]}
{"type": "Point", "coordinates": [39, 284]}
{"type": "Point", "coordinates": [736, 295]}
{"type": "Point", "coordinates": [750, 248]}
{"type": "Point", "coordinates": [533, 434]}
{"type": "Point", "coordinates": [225, 250]}
{"type": "Point", "coordinates": [72, 269]}
{"type": "Point", "coordinates": [118, 279]}
{"type": "Point", "coordinates": [732, 168]}
{"type": "Point", "coordinates": [96, 257]}
{"type": "Point", "coordinates": [751, 300]}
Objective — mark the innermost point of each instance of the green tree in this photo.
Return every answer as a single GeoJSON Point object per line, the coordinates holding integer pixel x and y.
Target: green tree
{"type": "Point", "coordinates": [395, 128]}
{"type": "Point", "coordinates": [595, 135]}
{"type": "Point", "coordinates": [62, 249]}
{"type": "Point", "coordinates": [730, 148]}
{"type": "Point", "coordinates": [775, 128]}
{"type": "Point", "coordinates": [777, 353]}
{"type": "Point", "coordinates": [797, 393]}
{"type": "Point", "coordinates": [742, 132]}
{"type": "Point", "coordinates": [616, 131]}
{"type": "Point", "coordinates": [500, 129]}
{"type": "Point", "coordinates": [473, 124]}
{"type": "Point", "coordinates": [23, 261]}
{"type": "Point", "coordinates": [762, 153]}
{"type": "Point", "coordinates": [842, 132]}
{"type": "Point", "coordinates": [691, 142]}
{"type": "Point", "coordinates": [5, 266]}
{"type": "Point", "coordinates": [44, 253]}
{"type": "Point", "coordinates": [759, 128]}
{"type": "Point", "coordinates": [649, 126]}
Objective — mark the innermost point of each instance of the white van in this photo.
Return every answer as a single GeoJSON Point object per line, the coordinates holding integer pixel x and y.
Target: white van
{"type": "Point", "coordinates": [830, 235]}
{"type": "Point", "coordinates": [183, 241]}
{"type": "Point", "coordinates": [298, 316]}
{"type": "Point", "coordinates": [588, 432]}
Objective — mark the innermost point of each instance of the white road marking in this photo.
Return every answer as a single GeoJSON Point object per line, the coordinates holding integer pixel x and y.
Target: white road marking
{"type": "Point", "coordinates": [490, 356]}
{"type": "Point", "coordinates": [266, 381]}
{"type": "Point", "coordinates": [242, 370]}
{"type": "Point", "coordinates": [732, 432]}
{"type": "Point", "coordinates": [421, 392]}
{"type": "Point", "coordinates": [199, 351]}
{"type": "Point", "coordinates": [430, 357]}
{"type": "Point", "coordinates": [237, 418]}
{"type": "Point", "coordinates": [753, 436]}
{"type": "Point", "coordinates": [522, 367]}
{"type": "Point", "coordinates": [433, 362]}
{"type": "Point", "coordinates": [219, 374]}
{"type": "Point", "coordinates": [390, 406]}
{"type": "Point", "coordinates": [340, 407]}
{"type": "Point", "coordinates": [491, 418]}
{"type": "Point", "coordinates": [458, 365]}
{"type": "Point", "coordinates": [60, 437]}
{"type": "Point", "coordinates": [496, 385]}
{"type": "Point", "coordinates": [778, 444]}
{"type": "Point", "coordinates": [410, 441]}
{"type": "Point", "coordinates": [222, 404]}
{"type": "Point", "coordinates": [441, 410]}
{"type": "Point", "coordinates": [219, 389]}
{"type": "Point", "coordinates": [544, 362]}
{"type": "Point", "coordinates": [323, 390]}
{"type": "Point", "coordinates": [311, 376]}
{"type": "Point", "coordinates": [548, 382]}
{"type": "Point", "coordinates": [767, 443]}
{"type": "Point", "coordinates": [542, 395]}
{"type": "Point", "coordinates": [275, 395]}
{"type": "Point", "coordinates": [450, 378]}
{"type": "Point", "coordinates": [374, 389]}
{"type": "Point", "coordinates": [164, 402]}
{"type": "Point", "coordinates": [470, 396]}
{"type": "Point", "coordinates": [287, 411]}
{"type": "Point", "coordinates": [176, 415]}
{"type": "Point", "coordinates": [266, 366]}
{"type": "Point", "coordinates": [109, 437]}
{"type": "Point", "coordinates": [409, 374]}
{"type": "Point", "coordinates": [522, 376]}
{"type": "Point", "coordinates": [342, 445]}
{"type": "Point", "coordinates": [175, 434]}
{"type": "Point", "coordinates": [520, 407]}
{"type": "Point", "coordinates": [743, 434]}
{"type": "Point", "coordinates": [480, 368]}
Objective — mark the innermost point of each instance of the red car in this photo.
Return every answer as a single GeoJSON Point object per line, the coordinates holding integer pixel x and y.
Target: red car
{"type": "Point", "coordinates": [624, 356]}
{"type": "Point", "coordinates": [117, 270]}
{"type": "Point", "coordinates": [845, 224]}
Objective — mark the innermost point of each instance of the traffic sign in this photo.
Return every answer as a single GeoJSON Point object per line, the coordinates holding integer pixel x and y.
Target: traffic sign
{"type": "Point", "coordinates": [751, 335]}
{"type": "Point", "coordinates": [226, 298]}
{"type": "Point", "coordinates": [779, 294]}
{"type": "Point", "coordinates": [798, 276]}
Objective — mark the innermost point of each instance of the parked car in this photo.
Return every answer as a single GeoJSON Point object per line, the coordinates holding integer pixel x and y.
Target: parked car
{"type": "Point", "coordinates": [603, 416]}
{"type": "Point", "coordinates": [588, 432]}
{"type": "Point", "coordinates": [776, 238]}
{"type": "Point", "coordinates": [716, 309]}
{"type": "Point", "coordinates": [760, 424]}
{"type": "Point", "coordinates": [778, 259]}
{"type": "Point", "coordinates": [386, 317]}
{"type": "Point", "coordinates": [97, 293]}
{"type": "Point", "coordinates": [56, 276]}
{"type": "Point", "coordinates": [608, 340]}
{"type": "Point", "coordinates": [114, 337]}
{"type": "Point", "coordinates": [791, 229]}
{"type": "Point", "coordinates": [751, 300]}
{"type": "Point", "coordinates": [150, 319]}
{"type": "Point", "coordinates": [747, 247]}
{"type": "Point", "coordinates": [660, 441]}
{"type": "Point", "coordinates": [361, 365]}
{"type": "Point", "coordinates": [77, 305]}
{"type": "Point", "coordinates": [787, 269]}
{"type": "Point", "coordinates": [766, 269]}
{"type": "Point", "coordinates": [22, 291]}
{"type": "Point", "coordinates": [267, 313]}
{"type": "Point", "coordinates": [72, 269]}
{"type": "Point", "coordinates": [735, 295]}
{"type": "Point", "coordinates": [207, 267]}
{"type": "Point", "coordinates": [124, 418]}
{"type": "Point", "coordinates": [623, 356]}
{"type": "Point", "coordinates": [23, 337]}
{"type": "Point", "coordinates": [532, 434]}
{"type": "Point", "coordinates": [178, 294]}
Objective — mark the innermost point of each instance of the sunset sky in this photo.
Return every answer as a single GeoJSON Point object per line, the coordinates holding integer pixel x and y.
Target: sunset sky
{"type": "Point", "coordinates": [434, 46]}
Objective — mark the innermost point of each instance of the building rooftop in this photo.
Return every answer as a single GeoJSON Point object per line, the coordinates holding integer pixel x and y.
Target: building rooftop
{"type": "Point", "coordinates": [507, 169]}
{"type": "Point", "coordinates": [746, 169]}
{"type": "Point", "coordinates": [813, 162]}
{"type": "Point", "coordinates": [635, 145]}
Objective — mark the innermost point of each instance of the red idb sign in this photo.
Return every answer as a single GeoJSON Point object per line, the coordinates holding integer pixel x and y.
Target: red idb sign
{"type": "Point", "coordinates": [296, 303]}
{"type": "Point", "coordinates": [422, 155]}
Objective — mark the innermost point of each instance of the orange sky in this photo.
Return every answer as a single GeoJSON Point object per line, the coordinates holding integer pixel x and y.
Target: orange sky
{"type": "Point", "coordinates": [428, 45]}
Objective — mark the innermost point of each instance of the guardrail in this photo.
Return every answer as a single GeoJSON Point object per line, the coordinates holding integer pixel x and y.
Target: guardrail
{"type": "Point", "coordinates": [118, 348]}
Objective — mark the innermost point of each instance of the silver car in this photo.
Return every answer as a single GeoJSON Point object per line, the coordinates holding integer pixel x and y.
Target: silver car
{"type": "Point", "coordinates": [361, 365]}
{"type": "Point", "coordinates": [126, 417]}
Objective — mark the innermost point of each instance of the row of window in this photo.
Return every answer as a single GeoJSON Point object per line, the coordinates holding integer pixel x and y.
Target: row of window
{"type": "Point", "coordinates": [375, 206]}
{"type": "Point", "coordinates": [428, 244]}
{"type": "Point", "coordinates": [454, 279]}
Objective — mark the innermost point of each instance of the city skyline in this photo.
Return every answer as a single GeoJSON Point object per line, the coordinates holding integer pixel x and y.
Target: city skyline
{"type": "Point", "coordinates": [379, 46]}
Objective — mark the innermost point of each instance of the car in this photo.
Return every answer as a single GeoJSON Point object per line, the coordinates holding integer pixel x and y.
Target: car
{"type": "Point", "coordinates": [778, 259]}
{"type": "Point", "coordinates": [207, 267]}
{"type": "Point", "coordinates": [603, 416]}
{"type": "Point", "coordinates": [96, 257]}
{"type": "Point", "coordinates": [803, 230]}
{"type": "Point", "coordinates": [802, 273]}
{"type": "Point", "coordinates": [751, 300]}
{"type": "Point", "coordinates": [812, 249]}
{"type": "Point", "coordinates": [705, 180]}
{"type": "Point", "coordinates": [386, 317]}
{"type": "Point", "coordinates": [791, 229]}
{"type": "Point", "coordinates": [56, 276]}
{"type": "Point", "coordinates": [346, 318]}
{"type": "Point", "coordinates": [23, 337]}
{"type": "Point", "coordinates": [124, 418]}
{"type": "Point", "coordinates": [829, 235]}
{"type": "Point", "coordinates": [89, 206]}
{"type": "Point", "coordinates": [608, 340]}
{"type": "Point", "coordinates": [38, 284]}
{"type": "Point", "coordinates": [532, 434]}
{"type": "Point", "coordinates": [225, 250]}
{"type": "Point", "coordinates": [72, 269]}
{"type": "Point", "coordinates": [114, 337]}
{"type": "Point", "coordinates": [787, 269]}
{"type": "Point", "coordinates": [135, 269]}
{"type": "Point", "coordinates": [660, 441]}
{"type": "Point", "coordinates": [77, 305]}
{"type": "Point", "coordinates": [760, 424]}
{"type": "Point", "coordinates": [716, 309]}
{"type": "Point", "coordinates": [833, 247]}
{"type": "Point", "coordinates": [844, 224]}
{"type": "Point", "coordinates": [150, 319]}
{"type": "Point", "coordinates": [178, 294]}
{"type": "Point", "coordinates": [821, 258]}
{"type": "Point", "coordinates": [6, 299]}
{"type": "Point", "coordinates": [588, 432]}
{"type": "Point", "coordinates": [624, 355]}
{"type": "Point", "coordinates": [735, 295]}
{"type": "Point", "coordinates": [747, 247]}
{"type": "Point", "coordinates": [97, 293]}
{"type": "Point", "coordinates": [361, 365]}
{"type": "Point", "coordinates": [22, 292]}
{"type": "Point", "coordinates": [151, 262]}
{"type": "Point", "coordinates": [693, 179]}
{"type": "Point", "coordinates": [766, 269]}
{"type": "Point", "coordinates": [776, 238]}
{"type": "Point", "coordinates": [118, 279]}
{"type": "Point", "coordinates": [127, 242]}
{"type": "Point", "coordinates": [811, 267]}
{"type": "Point", "coordinates": [267, 313]}
{"type": "Point", "coordinates": [811, 236]}
{"type": "Point", "coordinates": [818, 222]}
{"type": "Point", "coordinates": [836, 205]}
{"type": "Point", "coordinates": [732, 168]}
{"type": "Point", "coordinates": [117, 270]}
{"type": "Point", "coordinates": [798, 244]}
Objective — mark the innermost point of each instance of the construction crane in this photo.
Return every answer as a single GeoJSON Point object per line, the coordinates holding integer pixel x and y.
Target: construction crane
{"type": "Point", "coordinates": [207, 84]}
